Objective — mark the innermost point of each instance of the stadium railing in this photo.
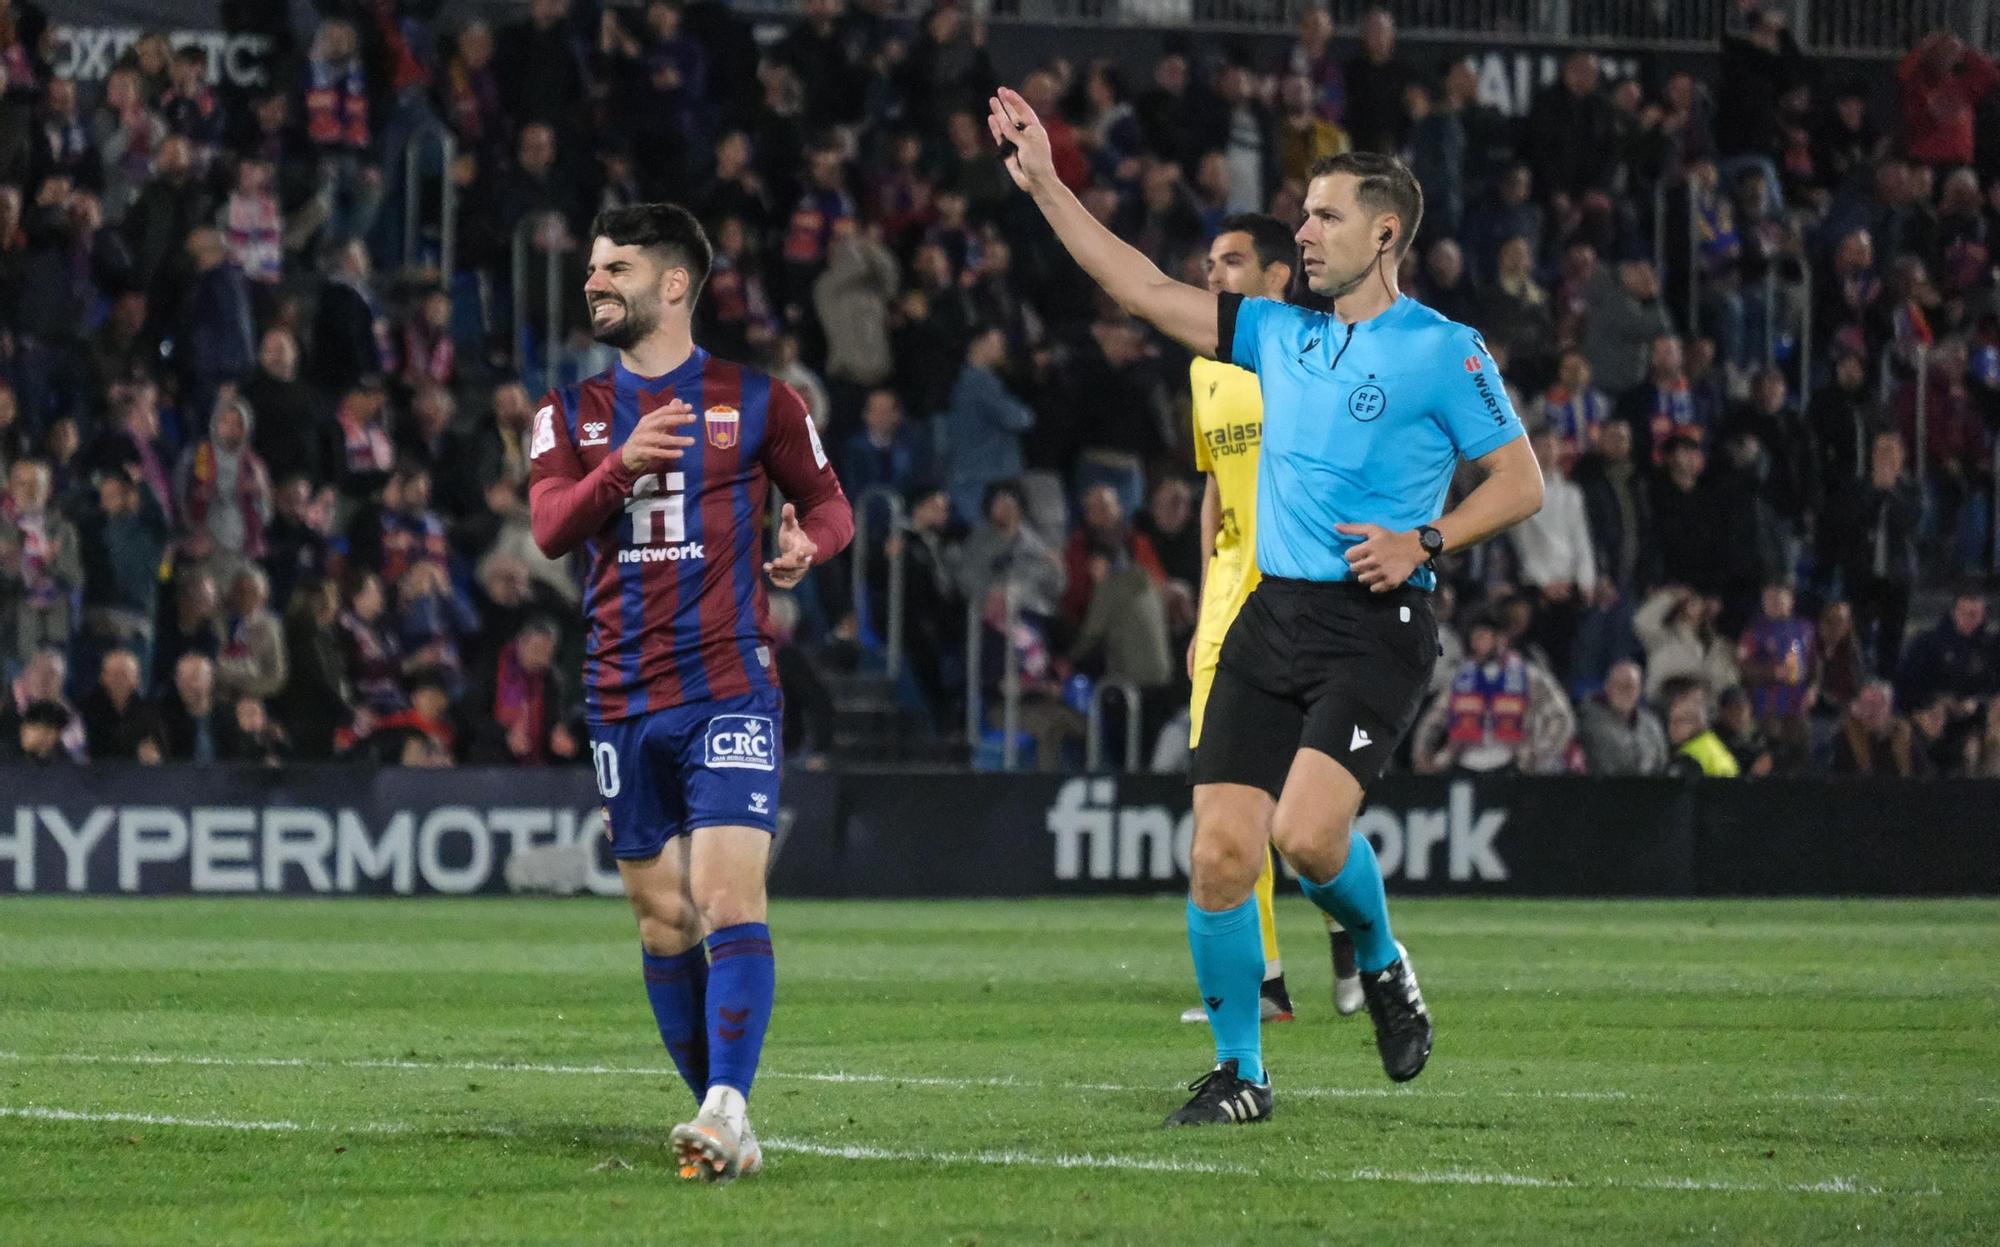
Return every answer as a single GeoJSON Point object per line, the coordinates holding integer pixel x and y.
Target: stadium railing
{"type": "Point", "coordinates": [862, 545]}
{"type": "Point", "coordinates": [1866, 28]}
{"type": "Point", "coordinates": [1093, 741]}
{"type": "Point", "coordinates": [413, 168]}
{"type": "Point", "coordinates": [525, 241]}
{"type": "Point", "coordinates": [1010, 678]}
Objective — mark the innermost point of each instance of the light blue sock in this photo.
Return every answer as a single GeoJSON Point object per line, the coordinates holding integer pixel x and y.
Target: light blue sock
{"type": "Point", "coordinates": [1354, 897]}
{"type": "Point", "coordinates": [1229, 968]}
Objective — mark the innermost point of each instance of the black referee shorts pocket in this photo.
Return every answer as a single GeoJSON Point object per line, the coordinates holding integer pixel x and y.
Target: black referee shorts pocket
{"type": "Point", "coordinates": [1409, 631]}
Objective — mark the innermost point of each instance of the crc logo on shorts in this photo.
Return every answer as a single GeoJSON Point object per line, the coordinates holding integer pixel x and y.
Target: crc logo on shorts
{"type": "Point", "coordinates": [724, 425]}
{"type": "Point", "coordinates": [742, 742]}
{"type": "Point", "coordinates": [1367, 402]}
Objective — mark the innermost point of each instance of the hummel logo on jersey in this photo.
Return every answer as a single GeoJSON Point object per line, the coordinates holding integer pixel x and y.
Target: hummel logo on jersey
{"type": "Point", "coordinates": [1359, 741]}
{"type": "Point", "coordinates": [593, 433]}
{"type": "Point", "coordinates": [662, 554]}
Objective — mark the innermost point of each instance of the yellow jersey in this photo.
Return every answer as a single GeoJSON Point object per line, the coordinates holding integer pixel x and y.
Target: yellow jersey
{"type": "Point", "coordinates": [1228, 441]}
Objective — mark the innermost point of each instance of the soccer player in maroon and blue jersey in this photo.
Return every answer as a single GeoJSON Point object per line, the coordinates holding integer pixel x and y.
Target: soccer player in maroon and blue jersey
{"type": "Point", "coordinates": [659, 468]}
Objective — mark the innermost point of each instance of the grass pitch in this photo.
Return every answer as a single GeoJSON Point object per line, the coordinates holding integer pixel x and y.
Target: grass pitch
{"type": "Point", "coordinates": [487, 1071]}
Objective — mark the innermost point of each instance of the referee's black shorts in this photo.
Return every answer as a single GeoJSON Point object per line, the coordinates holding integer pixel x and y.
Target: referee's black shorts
{"type": "Point", "coordinates": [1316, 665]}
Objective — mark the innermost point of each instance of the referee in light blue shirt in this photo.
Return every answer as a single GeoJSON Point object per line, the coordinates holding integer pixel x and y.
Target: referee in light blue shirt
{"type": "Point", "coordinates": [1367, 412]}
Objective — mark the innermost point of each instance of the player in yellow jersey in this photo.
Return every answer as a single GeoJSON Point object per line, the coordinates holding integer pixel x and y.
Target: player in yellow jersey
{"type": "Point", "coordinates": [1253, 255]}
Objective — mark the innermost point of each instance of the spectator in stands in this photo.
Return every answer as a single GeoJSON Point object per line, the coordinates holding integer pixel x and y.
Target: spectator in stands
{"type": "Point", "coordinates": [119, 723]}
{"type": "Point", "coordinates": [1697, 750]}
{"type": "Point", "coordinates": [1376, 81]}
{"type": "Point", "coordinates": [126, 133]}
{"type": "Point", "coordinates": [349, 328]}
{"type": "Point", "coordinates": [42, 680]}
{"type": "Point", "coordinates": [1843, 666]}
{"type": "Point", "coordinates": [432, 621]}
{"type": "Point", "coordinates": [337, 126]}
{"type": "Point", "coordinates": [1169, 523]}
{"type": "Point", "coordinates": [41, 565]}
{"type": "Point", "coordinates": [224, 492]}
{"type": "Point", "coordinates": [371, 657]}
{"type": "Point", "coordinates": [1516, 310]}
{"type": "Point", "coordinates": [297, 549]}
{"type": "Point", "coordinates": [172, 205]}
{"type": "Point", "coordinates": [1571, 141]}
{"type": "Point", "coordinates": [1791, 479]}
{"type": "Point", "coordinates": [37, 739]}
{"type": "Point", "coordinates": [541, 64]}
{"type": "Point", "coordinates": [1677, 627]}
{"type": "Point", "coordinates": [1957, 658]}
{"type": "Point", "coordinates": [431, 442]}
{"type": "Point", "coordinates": [886, 452]}
{"type": "Point", "coordinates": [123, 540]}
{"type": "Point", "coordinates": [1005, 551]}
{"type": "Point", "coordinates": [194, 626]}
{"type": "Point", "coordinates": [934, 611]}
{"type": "Point", "coordinates": [1436, 154]}
{"type": "Point", "coordinates": [982, 425]}
{"type": "Point", "coordinates": [500, 447]}
{"type": "Point", "coordinates": [852, 298]}
{"type": "Point", "coordinates": [1664, 404]}
{"type": "Point", "coordinates": [1305, 135]}
{"type": "Point", "coordinates": [1940, 85]}
{"type": "Point", "coordinates": [1846, 140]}
{"type": "Point", "coordinates": [215, 333]}
{"type": "Point", "coordinates": [1558, 560]}
{"type": "Point", "coordinates": [289, 435]}
{"type": "Point", "coordinates": [1989, 742]}
{"type": "Point", "coordinates": [1105, 534]}
{"type": "Point", "coordinates": [1619, 511]}
{"type": "Point", "coordinates": [1844, 419]}
{"type": "Point", "coordinates": [1737, 727]}
{"type": "Point", "coordinates": [1685, 519]}
{"type": "Point", "coordinates": [1574, 410]}
{"type": "Point", "coordinates": [1619, 734]}
{"type": "Point", "coordinates": [1123, 634]}
{"type": "Point", "coordinates": [1940, 747]}
{"type": "Point", "coordinates": [1873, 740]}
{"type": "Point", "coordinates": [1626, 317]}
{"type": "Point", "coordinates": [1754, 550]}
{"type": "Point", "coordinates": [518, 707]}
{"type": "Point", "coordinates": [315, 701]}
{"type": "Point", "coordinates": [136, 447]}
{"type": "Point", "coordinates": [256, 738]}
{"type": "Point", "coordinates": [1502, 713]}
{"type": "Point", "coordinates": [194, 726]}
{"type": "Point", "coordinates": [252, 663]}
{"type": "Point", "coordinates": [1512, 213]}
{"type": "Point", "coordinates": [1445, 288]}
{"type": "Point", "coordinates": [1780, 660]}
{"type": "Point", "coordinates": [1871, 540]}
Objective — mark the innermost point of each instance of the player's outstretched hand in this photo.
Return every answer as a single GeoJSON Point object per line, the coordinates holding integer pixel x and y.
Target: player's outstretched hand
{"type": "Point", "coordinates": [1382, 560]}
{"type": "Point", "coordinates": [795, 551]}
{"type": "Point", "coordinates": [1010, 120]}
{"type": "Point", "coordinates": [654, 441]}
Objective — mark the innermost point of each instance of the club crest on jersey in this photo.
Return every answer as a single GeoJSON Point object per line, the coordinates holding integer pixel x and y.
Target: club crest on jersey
{"type": "Point", "coordinates": [724, 426]}
{"type": "Point", "coordinates": [594, 433]}
{"type": "Point", "coordinates": [741, 742]}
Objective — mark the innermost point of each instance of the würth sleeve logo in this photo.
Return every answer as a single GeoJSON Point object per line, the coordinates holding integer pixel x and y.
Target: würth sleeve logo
{"type": "Point", "coordinates": [723, 426]}
{"type": "Point", "coordinates": [1472, 364]}
{"type": "Point", "coordinates": [743, 742]}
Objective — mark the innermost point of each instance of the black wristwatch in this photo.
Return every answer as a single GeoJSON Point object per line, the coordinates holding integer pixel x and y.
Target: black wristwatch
{"type": "Point", "coordinates": [1432, 541]}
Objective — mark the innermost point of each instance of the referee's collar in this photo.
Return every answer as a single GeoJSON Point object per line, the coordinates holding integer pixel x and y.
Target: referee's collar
{"type": "Point", "coordinates": [1380, 320]}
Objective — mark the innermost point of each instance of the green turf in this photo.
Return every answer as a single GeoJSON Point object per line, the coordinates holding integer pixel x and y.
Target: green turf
{"type": "Point", "coordinates": [1743, 1072]}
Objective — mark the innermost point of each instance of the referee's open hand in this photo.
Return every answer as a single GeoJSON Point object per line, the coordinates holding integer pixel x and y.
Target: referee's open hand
{"type": "Point", "coordinates": [1382, 560]}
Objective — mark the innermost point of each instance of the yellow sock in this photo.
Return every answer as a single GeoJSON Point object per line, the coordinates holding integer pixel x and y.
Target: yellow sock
{"type": "Point", "coordinates": [1267, 921]}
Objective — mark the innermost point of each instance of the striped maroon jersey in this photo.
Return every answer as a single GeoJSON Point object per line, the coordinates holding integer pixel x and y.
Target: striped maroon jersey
{"type": "Point", "coordinates": [674, 595]}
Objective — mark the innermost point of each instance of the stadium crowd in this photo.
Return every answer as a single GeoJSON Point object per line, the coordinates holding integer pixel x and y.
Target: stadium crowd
{"type": "Point", "coordinates": [264, 465]}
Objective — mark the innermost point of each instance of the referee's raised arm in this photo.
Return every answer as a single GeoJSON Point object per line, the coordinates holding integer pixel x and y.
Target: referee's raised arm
{"type": "Point", "coordinates": [1183, 312]}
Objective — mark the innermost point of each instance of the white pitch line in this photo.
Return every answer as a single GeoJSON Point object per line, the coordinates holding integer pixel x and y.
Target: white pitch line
{"type": "Point", "coordinates": [1008, 1158]}
{"type": "Point", "coordinates": [910, 1080]}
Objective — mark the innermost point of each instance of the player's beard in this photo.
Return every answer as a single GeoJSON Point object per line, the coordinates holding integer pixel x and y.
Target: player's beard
{"type": "Point", "coordinates": [640, 318]}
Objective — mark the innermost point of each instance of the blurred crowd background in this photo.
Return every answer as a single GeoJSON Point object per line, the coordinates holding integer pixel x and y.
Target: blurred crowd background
{"type": "Point", "coordinates": [268, 356]}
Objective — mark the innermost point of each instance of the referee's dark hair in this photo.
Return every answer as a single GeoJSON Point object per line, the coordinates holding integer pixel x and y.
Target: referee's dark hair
{"type": "Point", "coordinates": [1385, 185]}
{"type": "Point", "coordinates": [1270, 238]}
{"type": "Point", "coordinates": [668, 232]}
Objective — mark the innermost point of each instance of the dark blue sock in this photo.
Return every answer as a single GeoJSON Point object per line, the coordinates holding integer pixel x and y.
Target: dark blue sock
{"type": "Point", "coordinates": [1355, 898]}
{"type": "Point", "coordinates": [677, 985]}
{"type": "Point", "coordinates": [742, 981]}
{"type": "Point", "coordinates": [1228, 948]}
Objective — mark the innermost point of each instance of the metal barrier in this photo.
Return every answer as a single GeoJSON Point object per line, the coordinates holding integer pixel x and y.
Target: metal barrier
{"type": "Point", "coordinates": [447, 146]}
{"type": "Point", "coordinates": [1886, 28]}
{"type": "Point", "coordinates": [1093, 741]}
{"type": "Point", "coordinates": [861, 545]}
{"type": "Point", "coordinates": [1694, 261]}
{"type": "Point", "coordinates": [1806, 330]}
{"type": "Point", "coordinates": [1010, 678]}
{"type": "Point", "coordinates": [552, 297]}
